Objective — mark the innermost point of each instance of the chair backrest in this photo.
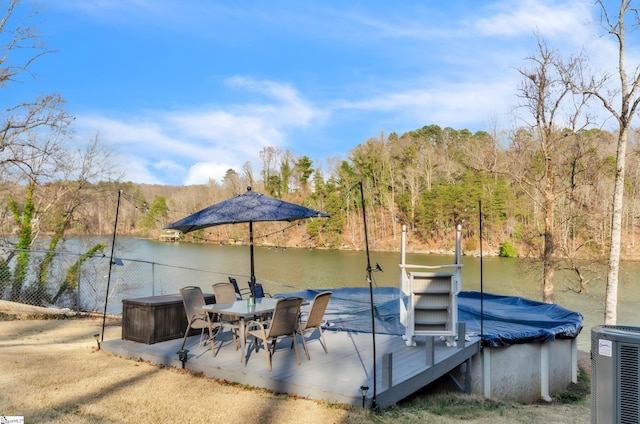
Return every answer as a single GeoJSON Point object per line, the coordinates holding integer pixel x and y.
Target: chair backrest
{"type": "Point", "coordinates": [235, 286]}
{"type": "Point", "coordinates": [193, 300]}
{"type": "Point", "coordinates": [224, 293]}
{"type": "Point", "coordinates": [285, 317]}
{"type": "Point", "coordinates": [318, 307]}
{"type": "Point", "coordinates": [258, 291]}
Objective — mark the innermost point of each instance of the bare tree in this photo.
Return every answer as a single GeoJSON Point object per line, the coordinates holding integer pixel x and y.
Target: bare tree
{"type": "Point", "coordinates": [17, 36]}
{"type": "Point", "coordinates": [627, 99]}
{"type": "Point", "coordinates": [247, 173]}
{"type": "Point", "coordinates": [271, 156]}
{"type": "Point", "coordinates": [38, 154]}
{"type": "Point", "coordinates": [409, 175]}
{"type": "Point", "coordinates": [552, 115]}
{"type": "Point", "coordinates": [20, 47]}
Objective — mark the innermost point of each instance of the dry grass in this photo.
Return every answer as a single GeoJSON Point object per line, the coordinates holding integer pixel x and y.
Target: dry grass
{"type": "Point", "coordinates": [52, 372]}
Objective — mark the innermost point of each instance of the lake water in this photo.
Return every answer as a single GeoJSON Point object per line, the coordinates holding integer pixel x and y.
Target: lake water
{"type": "Point", "coordinates": [284, 270]}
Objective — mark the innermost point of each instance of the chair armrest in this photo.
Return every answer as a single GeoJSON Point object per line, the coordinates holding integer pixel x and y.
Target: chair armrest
{"type": "Point", "coordinates": [244, 293]}
{"type": "Point", "coordinates": [261, 332]}
{"type": "Point", "coordinates": [253, 322]}
{"type": "Point", "coordinates": [199, 315]}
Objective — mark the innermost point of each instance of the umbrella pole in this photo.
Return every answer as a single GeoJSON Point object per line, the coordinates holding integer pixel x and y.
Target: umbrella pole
{"type": "Point", "coordinates": [253, 275]}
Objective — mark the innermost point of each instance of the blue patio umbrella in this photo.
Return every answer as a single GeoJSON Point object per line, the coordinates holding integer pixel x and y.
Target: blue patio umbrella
{"type": "Point", "coordinates": [247, 207]}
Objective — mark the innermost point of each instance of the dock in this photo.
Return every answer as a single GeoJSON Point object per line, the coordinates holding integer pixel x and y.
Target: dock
{"type": "Point", "coordinates": [170, 235]}
{"type": "Point", "coordinates": [337, 376]}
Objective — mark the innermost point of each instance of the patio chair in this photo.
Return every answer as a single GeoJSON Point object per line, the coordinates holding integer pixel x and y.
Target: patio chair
{"type": "Point", "coordinates": [315, 319]}
{"type": "Point", "coordinates": [225, 293]}
{"type": "Point", "coordinates": [257, 290]}
{"type": "Point", "coordinates": [193, 301]}
{"type": "Point", "coordinates": [283, 323]}
{"type": "Point", "coordinates": [240, 293]}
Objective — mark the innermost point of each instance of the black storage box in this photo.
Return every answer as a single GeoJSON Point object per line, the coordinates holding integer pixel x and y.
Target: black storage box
{"type": "Point", "coordinates": [156, 318]}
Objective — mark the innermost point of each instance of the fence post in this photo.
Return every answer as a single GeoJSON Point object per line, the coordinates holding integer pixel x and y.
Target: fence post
{"type": "Point", "coordinates": [78, 284]}
{"type": "Point", "coordinates": [153, 278]}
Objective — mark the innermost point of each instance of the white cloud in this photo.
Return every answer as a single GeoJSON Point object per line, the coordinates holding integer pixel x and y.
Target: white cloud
{"type": "Point", "coordinates": [298, 112]}
{"type": "Point", "coordinates": [202, 172]}
{"type": "Point", "coordinates": [548, 18]}
{"type": "Point", "coordinates": [169, 166]}
{"type": "Point", "coordinates": [444, 103]}
{"type": "Point", "coordinates": [136, 170]}
{"type": "Point", "coordinates": [206, 141]}
{"type": "Point", "coordinates": [124, 131]}
{"type": "Point", "coordinates": [227, 131]}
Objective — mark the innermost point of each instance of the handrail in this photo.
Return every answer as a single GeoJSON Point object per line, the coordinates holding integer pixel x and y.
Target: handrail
{"type": "Point", "coordinates": [404, 266]}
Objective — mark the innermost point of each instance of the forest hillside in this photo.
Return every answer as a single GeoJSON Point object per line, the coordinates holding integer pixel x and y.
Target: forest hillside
{"type": "Point", "coordinates": [429, 180]}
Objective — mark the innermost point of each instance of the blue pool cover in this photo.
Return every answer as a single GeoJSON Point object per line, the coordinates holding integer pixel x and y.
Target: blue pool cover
{"type": "Point", "coordinates": [506, 320]}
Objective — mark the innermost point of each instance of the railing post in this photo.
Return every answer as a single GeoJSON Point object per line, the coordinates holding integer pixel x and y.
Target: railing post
{"type": "Point", "coordinates": [461, 334]}
{"type": "Point", "coordinates": [387, 371]}
{"type": "Point", "coordinates": [430, 351]}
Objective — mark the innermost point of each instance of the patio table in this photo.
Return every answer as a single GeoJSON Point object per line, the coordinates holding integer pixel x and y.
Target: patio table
{"type": "Point", "coordinates": [242, 310]}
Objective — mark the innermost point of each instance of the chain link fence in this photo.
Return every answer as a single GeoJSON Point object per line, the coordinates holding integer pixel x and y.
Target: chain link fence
{"type": "Point", "coordinates": [79, 282]}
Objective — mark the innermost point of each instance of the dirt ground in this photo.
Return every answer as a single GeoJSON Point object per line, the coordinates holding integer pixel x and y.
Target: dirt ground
{"type": "Point", "coordinates": [51, 371]}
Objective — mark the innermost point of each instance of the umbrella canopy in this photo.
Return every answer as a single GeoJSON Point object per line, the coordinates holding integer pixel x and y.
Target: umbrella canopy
{"type": "Point", "coordinates": [247, 207]}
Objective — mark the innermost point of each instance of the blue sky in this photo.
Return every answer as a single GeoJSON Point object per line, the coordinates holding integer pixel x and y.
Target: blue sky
{"type": "Point", "coordinates": [184, 90]}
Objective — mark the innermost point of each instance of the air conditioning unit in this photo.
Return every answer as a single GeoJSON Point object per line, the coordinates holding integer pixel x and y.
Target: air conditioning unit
{"type": "Point", "coordinates": [615, 377]}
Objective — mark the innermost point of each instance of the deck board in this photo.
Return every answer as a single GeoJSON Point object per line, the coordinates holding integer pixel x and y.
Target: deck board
{"type": "Point", "coordinates": [333, 377]}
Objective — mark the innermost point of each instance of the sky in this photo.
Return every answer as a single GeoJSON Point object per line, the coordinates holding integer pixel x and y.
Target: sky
{"type": "Point", "coordinates": [184, 90]}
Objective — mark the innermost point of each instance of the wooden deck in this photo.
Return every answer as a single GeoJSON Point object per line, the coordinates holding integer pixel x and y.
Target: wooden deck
{"type": "Point", "coordinates": [333, 377]}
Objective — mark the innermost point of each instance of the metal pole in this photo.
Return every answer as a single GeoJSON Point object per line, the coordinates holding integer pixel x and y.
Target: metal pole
{"type": "Point", "coordinates": [113, 244]}
{"type": "Point", "coordinates": [370, 280]}
{"type": "Point", "coordinates": [78, 283]}
{"type": "Point", "coordinates": [253, 274]}
{"type": "Point", "coordinates": [481, 278]}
